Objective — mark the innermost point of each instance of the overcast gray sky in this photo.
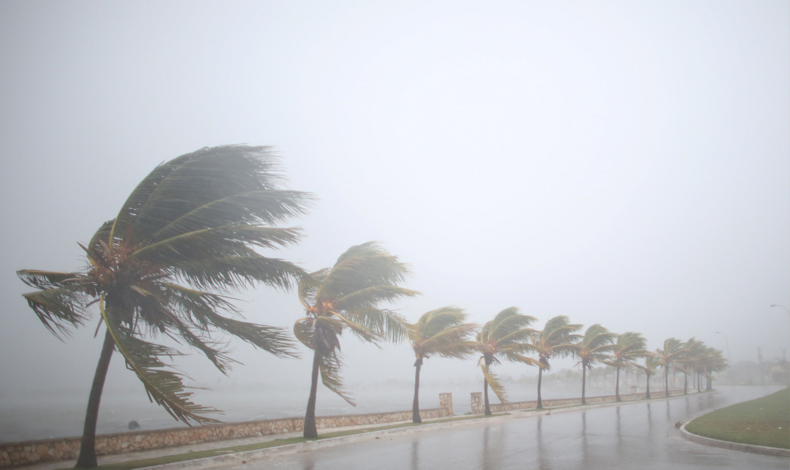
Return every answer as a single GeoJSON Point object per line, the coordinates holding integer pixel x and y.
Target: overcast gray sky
{"type": "Point", "coordinates": [622, 163]}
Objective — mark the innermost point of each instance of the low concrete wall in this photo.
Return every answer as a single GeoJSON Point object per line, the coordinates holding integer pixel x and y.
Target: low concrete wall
{"type": "Point", "coordinates": [478, 407]}
{"type": "Point", "coordinates": [24, 453]}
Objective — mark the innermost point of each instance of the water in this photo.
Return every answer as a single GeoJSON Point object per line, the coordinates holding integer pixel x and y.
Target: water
{"type": "Point", "coordinates": [45, 414]}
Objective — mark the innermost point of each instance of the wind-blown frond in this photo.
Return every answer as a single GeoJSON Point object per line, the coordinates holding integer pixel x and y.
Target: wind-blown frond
{"type": "Point", "coordinates": [163, 386]}
{"type": "Point", "coordinates": [360, 267]}
{"type": "Point", "coordinates": [252, 207]}
{"type": "Point", "coordinates": [385, 324]}
{"type": "Point", "coordinates": [238, 271]}
{"type": "Point", "coordinates": [494, 383]}
{"type": "Point", "coordinates": [372, 295]}
{"type": "Point", "coordinates": [219, 242]}
{"type": "Point", "coordinates": [59, 309]}
{"type": "Point", "coordinates": [210, 187]}
{"type": "Point", "coordinates": [330, 366]}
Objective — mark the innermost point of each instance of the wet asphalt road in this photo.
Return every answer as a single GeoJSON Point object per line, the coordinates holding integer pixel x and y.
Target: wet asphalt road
{"type": "Point", "coordinates": [632, 436]}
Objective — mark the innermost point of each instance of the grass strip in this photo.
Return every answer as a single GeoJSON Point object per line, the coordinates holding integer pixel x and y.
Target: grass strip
{"type": "Point", "coordinates": [761, 422]}
{"type": "Point", "coordinates": [133, 464]}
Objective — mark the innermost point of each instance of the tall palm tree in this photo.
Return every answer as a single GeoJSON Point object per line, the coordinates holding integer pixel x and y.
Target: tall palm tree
{"type": "Point", "coordinates": [652, 363]}
{"type": "Point", "coordinates": [672, 351]}
{"type": "Point", "coordinates": [594, 347]}
{"type": "Point", "coordinates": [506, 337]}
{"type": "Point", "coordinates": [442, 332]}
{"type": "Point", "coordinates": [184, 236]}
{"type": "Point", "coordinates": [556, 340]}
{"type": "Point", "coordinates": [347, 296]}
{"type": "Point", "coordinates": [628, 347]}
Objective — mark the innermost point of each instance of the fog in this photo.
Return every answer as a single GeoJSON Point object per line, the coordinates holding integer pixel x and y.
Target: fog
{"type": "Point", "coordinates": [622, 163]}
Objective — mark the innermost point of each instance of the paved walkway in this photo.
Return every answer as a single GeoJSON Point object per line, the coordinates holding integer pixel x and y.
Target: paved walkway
{"type": "Point", "coordinates": [427, 425]}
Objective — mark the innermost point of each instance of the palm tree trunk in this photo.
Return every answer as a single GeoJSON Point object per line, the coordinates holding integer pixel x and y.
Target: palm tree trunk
{"type": "Point", "coordinates": [87, 457]}
{"type": "Point", "coordinates": [540, 380]}
{"type": "Point", "coordinates": [666, 380]}
{"type": "Point", "coordinates": [309, 419]}
{"type": "Point", "coordinates": [647, 395]}
{"type": "Point", "coordinates": [584, 382]}
{"type": "Point", "coordinates": [685, 383]}
{"type": "Point", "coordinates": [415, 409]}
{"type": "Point", "coordinates": [617, 386]}
{"type": "Point", "coordinates": [485, 395]}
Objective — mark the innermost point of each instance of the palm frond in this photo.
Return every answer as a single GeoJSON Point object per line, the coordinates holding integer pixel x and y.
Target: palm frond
{"type": "Point", "coordinates": [513, 356]}
{"type": "Point", "coordinates": [361, 266]}
{"type": "Point", "coordinates": [238, 271]}
{"type": "Point", "coordinates": [219, 242]}
{"type": "Point", "coordinates": [494, 383]}
{"type": "Point", "coordinates": [201, 309]}
{"type": "Point", "coordinates": [450, 342]}
{"type": "Point", "coordinates": [59, 309]}
{"type": "Point", "coordinates": [330, 366]}
{"type": "Point", "coordinates": [384, 323]}
{"type": "Point", "coordinates": [360, 331]}
{"type": "Point", "coordinates": [184, 184]}
{"type": "Point", "coordinates": [260, 207]}
{"type": "Point", "coordinates": [372, 295]}
{"type": "Point", "coordinates": [163, 386]}
{"type": "Point", "coordinates": [304, 332]}
{"type": "Point", "coordinates": [308, 286]}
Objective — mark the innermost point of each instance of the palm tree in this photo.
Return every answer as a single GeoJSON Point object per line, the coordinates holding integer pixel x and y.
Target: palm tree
{"type": "Point", "coordinates": [506, 337]}
{"type": "Point", "coordinates": [714, 362]}
{"type": "Point", "coordinates": [556, 340]}
{"type": "Point", "coordinates": [652, 363]}
{"type": "Point", "coordinates": [692, 350]}
{"type": "Point", "coordinates": [628, 347]}
{"type": "Point", "coordinates": [185, 236]}
{"type": "Point", "coordinates": [347, 296]}
{"type": "Point", "coordinates": [672, 351]}
{"type": "Point", "coordinates": [441, 332]}
{"type": "Point", "coordinates": [594, 347]}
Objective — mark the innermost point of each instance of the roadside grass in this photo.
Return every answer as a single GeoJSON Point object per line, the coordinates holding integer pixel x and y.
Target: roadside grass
{"type": "Point", "coordinates": [762, 422]}
{"type": "Point", "coordinates": [165, 459]}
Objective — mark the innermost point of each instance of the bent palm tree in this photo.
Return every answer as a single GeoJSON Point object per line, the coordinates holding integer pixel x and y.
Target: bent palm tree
{"type": "Point", "coordinates": [556, 340]}
{"type": "Point", "coordinates": [652, 363]}
{"type": "Point", "coordinates": [506, 336]}
{"type": "Point", "coordinates": [628, 347]}
{"type": "Point", "coordinates": [441, 332]}
{"type": "Point", "coordinates": [347, 296]}
{"type": "Point", "coordinates": [183, 237]}
{"type": "Point", "coordinates": [672, 351]}
{"type": "Point", "coordinates": [594, 347]}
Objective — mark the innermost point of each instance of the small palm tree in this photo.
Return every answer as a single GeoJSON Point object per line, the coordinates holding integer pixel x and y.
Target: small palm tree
{"type": "Point", "coordinates": [507, 337]}
{"type": "Point", "coordinates": [184, 236]}
{"type": "Point", "coordinates": [628, 347]}
{"type": "Point", "coordinates": [556, 340]}
{"type": "Point", "coordinates": [714, 362]}
{"type": "Point", "coordinates": [594, 347]}
{"type": "Point", "coordinates": [692, 349]}
{"type": "Point", "coordinates": [442, 332]}
{"type": "Point", "coordinates": [347, 296]}
{"type": "Point", "coordinates": [672, 351]}
{"type": "Point", "coordinates": [652, 363]}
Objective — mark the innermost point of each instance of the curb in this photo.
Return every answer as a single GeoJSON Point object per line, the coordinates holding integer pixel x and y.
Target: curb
{"type": "Point", "coordinates": [732, 445]}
